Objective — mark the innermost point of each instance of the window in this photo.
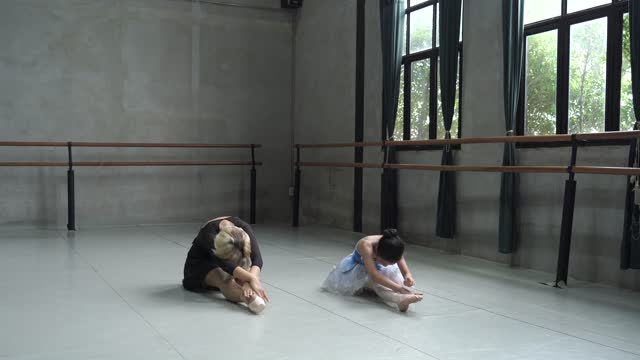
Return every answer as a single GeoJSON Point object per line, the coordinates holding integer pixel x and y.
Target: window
{"type": "Point", "coordinates": [419, 106]}
{"type": "Point", "coordinates": [577, 76]}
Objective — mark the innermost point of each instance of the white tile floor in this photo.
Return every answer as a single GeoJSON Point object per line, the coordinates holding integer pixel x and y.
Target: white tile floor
{"type": "Point", "coordinates": [114, 293]}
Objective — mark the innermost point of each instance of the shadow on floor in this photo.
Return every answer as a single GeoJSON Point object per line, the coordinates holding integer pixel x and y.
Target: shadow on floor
{"type": "Point", "coordinates": [176, 295]}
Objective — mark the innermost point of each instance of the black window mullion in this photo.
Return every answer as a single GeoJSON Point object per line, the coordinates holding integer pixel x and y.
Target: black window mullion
{"type": "Point", "coordinates": [433, 103]}
{"type": "Point", "coordinates": [406, 128]}
{"type": "Point", "coordinates": [614, 71]}
{"type": "Point", "coordinates": [562, 92]}
{"type": "Point", "coordinates": [460, 93]}
{"type": "Point", "coordinates": [433, 98]}
{"type": "Point", "coordinates": [538, 29]}
{"type": "Point", "coordinates": [423, 5]}
{"type": "Point", "coordinates": [420, 55]}
{"type": "Point", "coordinates": [564, 7]}
{"type": "Point", "coordinates": [406, 116]}
{"type": "Point", "coordinates": [575, 17]}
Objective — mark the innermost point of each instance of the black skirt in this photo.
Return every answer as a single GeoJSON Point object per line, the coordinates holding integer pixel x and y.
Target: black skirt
{"type": "Point", "coordinates": [196, 268]}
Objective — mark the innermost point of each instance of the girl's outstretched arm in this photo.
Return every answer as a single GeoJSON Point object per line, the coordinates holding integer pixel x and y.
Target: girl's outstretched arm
{"type": "Point", "coordinates": [366, 251]}
{"type": "Point", "coordinates": [404, 269]}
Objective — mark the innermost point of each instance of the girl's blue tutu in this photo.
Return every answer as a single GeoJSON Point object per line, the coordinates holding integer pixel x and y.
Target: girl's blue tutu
{"type": "Point", "coordinates": [350, 276]}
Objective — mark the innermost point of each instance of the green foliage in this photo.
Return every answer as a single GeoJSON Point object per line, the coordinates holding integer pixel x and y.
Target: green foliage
{"type": "Point", "coordinates": [587, 76]}
{"type": "Point", "coordinates": [587, 80]}
{"type": "Point", "coordinates": [420, 99]}
{"type": "Point", "coordinates": [541, 83]}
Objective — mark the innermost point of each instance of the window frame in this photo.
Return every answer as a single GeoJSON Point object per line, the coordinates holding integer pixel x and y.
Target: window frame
{"type": "Point", "coordinates": [614, 12]}
{"type": "Point", "coordinates": [432, 55]}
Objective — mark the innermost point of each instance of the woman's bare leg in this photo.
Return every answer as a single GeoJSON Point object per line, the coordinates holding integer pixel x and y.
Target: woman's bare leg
{"type": "Point", "coordinates": [231, 290]}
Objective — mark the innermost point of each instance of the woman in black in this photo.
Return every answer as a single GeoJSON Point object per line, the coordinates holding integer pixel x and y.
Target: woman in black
{"type": "Point", "coordinates": [225, 256]}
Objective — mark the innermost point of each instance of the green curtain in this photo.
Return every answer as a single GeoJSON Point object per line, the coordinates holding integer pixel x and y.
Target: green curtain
{"type": "Point", "coordinates": [449, 23]}
{"type": "Point", "coordinates": [630, 252]}
{"type": "Point", "coordinates": [512, 36]}
{"type": "Point", "coordinates": [392, 30]}
{"type": "Point", "coordinates": [388, 195]}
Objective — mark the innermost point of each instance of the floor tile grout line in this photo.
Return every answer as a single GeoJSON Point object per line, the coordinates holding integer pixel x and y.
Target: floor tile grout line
{"type": "Point", "coordinates": [317, 305]}
{"type": "Point", "coordinates": [351, 321]}
{"type": "Point", "coordinates": [444, 298]}
{"type": "Point", "coordinates": [300, 253]}
{"type": "Point", "coordinates": [167, 239]}
{"type": "Point", "coordinates": [487, 310]}
{"type": "Point", "coordinates": [123, 299]}
{"type": "Point", "coordinates": [139, 314]}
{"type": "Point", "coordinates": [563, 333]}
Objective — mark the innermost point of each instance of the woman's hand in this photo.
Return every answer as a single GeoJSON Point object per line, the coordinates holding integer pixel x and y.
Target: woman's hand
{"type": "Point", "coordinates": [256, 285]}
{"type": "Point", "coordinates": [247, 291]}
{"type": "Point", "coordinates": [408, 280]}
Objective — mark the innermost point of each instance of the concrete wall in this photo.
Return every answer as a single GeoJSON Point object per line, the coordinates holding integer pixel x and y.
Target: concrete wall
{"type": "Point", "coordinates": [600, 199]}
{"type": "Point", "coordinates": [324, 108]}
{"type": "Point", "coordinates": [372, 118]}
{"type": "Point", "coordinates": [144, 70]}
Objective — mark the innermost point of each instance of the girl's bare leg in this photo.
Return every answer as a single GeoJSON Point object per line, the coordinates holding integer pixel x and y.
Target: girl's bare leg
{"type": "Point", "coordinates": [402, 301]}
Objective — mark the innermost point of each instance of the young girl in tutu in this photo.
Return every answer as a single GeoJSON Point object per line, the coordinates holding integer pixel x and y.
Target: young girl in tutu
{"type": "Point", "coordinates": [376, 264]}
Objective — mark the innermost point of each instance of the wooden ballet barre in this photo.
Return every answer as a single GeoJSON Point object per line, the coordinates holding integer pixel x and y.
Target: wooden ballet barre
{"type": "Point", "coordinates": [471, 168]}
{"type": "Point", "coordinates": [611, 135]}
{"type": "Point", "coordinates": [129, 163]}
{"type": "Point", "coordinates": [70, 164]}
{"type": "Point", "coordinates": [164, 145]}
{"type": "Point", "coordinates": [601, 170]}
{"type": "Point", "coordinates": [340, 145]}
{"type": "Point", "coordinates": [480, 168]}
{"type": "Point", "coordinates": [33, 144]}
{"type": "Point", "coordinates": [125, 145]}
{"type": "Point", "coordinates": [32, 164]}
{"type": "Point", "coordinates": [339, 164]}
{"type": "Point", "coordinates": [574, 140]}
{"type": "Point", "coordinates": [487, 140]}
